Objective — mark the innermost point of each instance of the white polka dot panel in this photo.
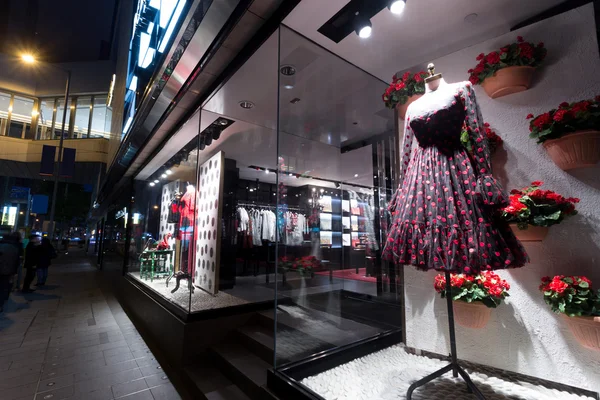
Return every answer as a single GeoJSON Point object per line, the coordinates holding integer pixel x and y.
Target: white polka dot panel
{"type": "Point", "coordinates": [208, 210]}
{"type": "Point", "coordinates": [168, 194]}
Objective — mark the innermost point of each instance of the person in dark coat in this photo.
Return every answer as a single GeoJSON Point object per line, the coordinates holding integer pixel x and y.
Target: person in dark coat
{"type": "Point", "coordinates": [10, 253]}
{"type": "Point", "coordinates": [46, 253]}
{"type": "Point", "coordinates": [31, 262]}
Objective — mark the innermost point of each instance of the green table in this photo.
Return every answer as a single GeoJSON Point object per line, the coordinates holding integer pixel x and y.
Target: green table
{"type": "Point", "coordinates": [156, 264]}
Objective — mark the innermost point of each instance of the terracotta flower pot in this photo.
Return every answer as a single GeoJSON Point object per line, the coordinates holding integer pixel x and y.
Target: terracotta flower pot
{"type": "Point", "coordinates": [575, 150]}
{"type": "Point", "coordinates": [531, 234]}
{"type": "Point", "coordinates": [507, 81]}
{"type": "Point", "coordinates": [586, 330]}
{"type": "Point", "coordinates": [471, 315]}
{"type": "Point", "coordinates": [403, 107]}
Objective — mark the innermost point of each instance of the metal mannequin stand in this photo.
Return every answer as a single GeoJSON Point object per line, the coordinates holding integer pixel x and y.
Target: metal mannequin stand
{"type": "Point", "coordinates": [453, 366]}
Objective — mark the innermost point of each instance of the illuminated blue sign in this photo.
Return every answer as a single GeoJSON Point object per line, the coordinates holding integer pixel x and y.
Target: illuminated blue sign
{"type": "Point", "coordinates": [153, 26]}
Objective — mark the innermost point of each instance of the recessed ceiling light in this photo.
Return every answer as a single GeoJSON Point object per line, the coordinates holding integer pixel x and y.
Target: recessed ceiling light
{"type": "Point", "coordinates": [288, 87]}
{"type": "Point", "coordinates": [288, 70]}
{"type": "Point", "coordinates": [163, 176]}
{"type": "Point", "coordinates": [156, 181]}
{"type": "Point", "coordinates": [356, 175]}
{"type": "Point", "coordinates": [397, 6]}
{"type": "Point", "coordinates": [246, 104]}
{"type": "Point", "coordinates": [471, 18]}
{"type": "Point", "coordinates": [168, 172]}
{"type": "Point", "coordinates": [152, 184]}
{"type": "Point", "coordinates": [222, 122]}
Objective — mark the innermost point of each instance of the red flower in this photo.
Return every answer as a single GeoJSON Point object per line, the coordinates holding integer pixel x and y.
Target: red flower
{"type": "Point", "coordinates": [492, 58]}
{"type": "Point", "coordinates": [529, 116]}
{"type": "Point", "coordinates": [537, 183]}
{"type": "Point", "coordinates": [540, 44]}
{"type": "Point", "coordinates": [457, 281]}
{"type": "Point", "coordinates": [417, 77]}
{"type": "Point", "coordinates": [559, 115]}
{"type": "Point", "coordinates": [526, 50]}
{"type": "Point", "coordinates": [470, 71]}
{"type": "Point", "coordinates": [516, 191]}
{"type": "Point", "coordinates": [479, 68]}
{"type": "Point", "coordinates": [573, 200]}
{"type": "Point", "coordinates": [504, 50]}
{"type": "Point", "coordinates": [440, 283]}
{"type": "Point", "coordinates": [496, 291]}
{"type": "Point", "coordinates": [558, 285]}
{"type": "Point", "coordinates": [580, 106]}
{"type": "Point", "coordinates": [542, 120]}
{"type": "Point", "coordinates": [400, 85]}
{"type": "Point", "coordinates": [474, 79]}
{"type": "Point", "coordinates": [520, 39]}
{"type": "Point", "coordinates": [480, 57]}
{"type": "Point", "coordinates": [406, 75]}
{"type": "Point", "coordinates": [585, 279]}
{"type": "Point", "coordinates": [564, 104]}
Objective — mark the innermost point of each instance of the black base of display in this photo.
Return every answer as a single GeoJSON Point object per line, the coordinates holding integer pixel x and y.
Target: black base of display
{"type": "Point", "coordinates": [453, 366]}
{"type": "Point", "coordinates": [285, 380]}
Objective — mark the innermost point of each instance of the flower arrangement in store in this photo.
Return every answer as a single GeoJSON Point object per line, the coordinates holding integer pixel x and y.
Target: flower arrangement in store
{"type": "Point", "coordinates": [474, 296]}
{"type": "Point", "coordinates": [570, 133]}
{"type": "Point", "coordinates": [304, 265]}
{"type": "Point", "coordinates": [509, 69]}
{"type": "Point", "coordinates": [405, 90]}
{"type": "Point", "coordinates": [532, 210]}
{"type": "Point", "coordinates": [494, 141]}
{"type": "Point", "coordinates": [574, 298]}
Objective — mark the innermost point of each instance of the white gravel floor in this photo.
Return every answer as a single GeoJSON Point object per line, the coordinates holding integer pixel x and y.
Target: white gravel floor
{"type": "Point", "coordinates": [387, 374]}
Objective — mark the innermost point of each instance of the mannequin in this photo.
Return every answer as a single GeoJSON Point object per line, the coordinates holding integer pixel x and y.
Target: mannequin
{"type": "Point", "coordinates": [185, 237]}
{"type": "Point", "coordinates": [444, 208]}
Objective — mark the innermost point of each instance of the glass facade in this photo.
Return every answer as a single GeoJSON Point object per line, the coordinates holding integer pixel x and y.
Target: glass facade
{"type": "Point", "coordinates": [41, 118]}
{"type": "Point", "coordinates": [276, 192]}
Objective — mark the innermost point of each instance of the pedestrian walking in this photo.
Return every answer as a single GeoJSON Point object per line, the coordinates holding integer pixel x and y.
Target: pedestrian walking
{"type": "Point", "coordinates": [31, 262]}
{"type": "Point", "coordinates": [46, 253]}
{"type": "Point", "coordinates": [9, 262]}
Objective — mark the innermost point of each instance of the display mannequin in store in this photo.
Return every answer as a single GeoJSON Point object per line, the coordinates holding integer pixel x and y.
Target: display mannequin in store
{"type": "Point", "coordinates": [185, 237]}
{"type": "Point", "coordinates": [444, 211]}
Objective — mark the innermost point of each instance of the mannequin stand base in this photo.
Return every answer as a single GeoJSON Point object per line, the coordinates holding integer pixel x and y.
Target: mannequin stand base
{"type": "Point", "coordinates": [178, 277]}
{"type": "Point", "coordinates": [456, 371]}
{"type": "Point", "coordinates": [453, 366]}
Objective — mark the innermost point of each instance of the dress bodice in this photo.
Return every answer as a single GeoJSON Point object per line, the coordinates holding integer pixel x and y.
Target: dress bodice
{"type": "Point", "coordinates": [437, 118]}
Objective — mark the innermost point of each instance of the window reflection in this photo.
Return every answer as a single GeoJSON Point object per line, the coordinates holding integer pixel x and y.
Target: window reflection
{"type": "Point", "coordinates": [45, 119]}
{"type": "Point", "coordinates": [100, 118]}
{"type": "Point", "coordinates": [20, 120]}
{"type": "Point", "coordinates": [4, 104]}
{"type": "Point", "coordinates": [58, 127]}
{"type": "Point", "coordinates": [82, 117]}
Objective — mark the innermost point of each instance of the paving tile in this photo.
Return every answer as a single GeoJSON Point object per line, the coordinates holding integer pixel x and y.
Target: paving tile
{"type": "Point", "coordinates": [18, 392]}
{"type": "Point", "coordinates": [124, 389]}
{"type": "Point", "coordinates": [57, 394]}
{"type": "Point", "coordinates": [151, 370]}
{"type": "Point", "coordinates": [105, 370]}
{"type": "Point", "coordinates": [51, 371]}
{"type": "Point", "coordinates": [23, 349]}
{"type": "Point", "coordinates": [146, 361]}
{"type": "Point", "coordinates": [157, 379]}
{"type": "Point", "coordinates": [19, 380]}
{"type": "Point", "coordinates": [144, 395]}
{"type": "Point", "coordinates": [117, 358]}
{"type": "Point", "coordinates": [55, 383]}
{"type": "Point", "coordinates": [165, 392]}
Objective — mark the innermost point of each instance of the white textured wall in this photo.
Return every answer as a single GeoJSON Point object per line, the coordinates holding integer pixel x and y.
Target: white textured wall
{"type": "Point", "coordinates": [523, 334]}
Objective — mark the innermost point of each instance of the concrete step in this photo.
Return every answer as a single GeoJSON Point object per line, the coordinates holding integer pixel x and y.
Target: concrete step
{"type": "Point", "coordinates": [258, 339]}
{"type": "Point", "coordinates": [209, 383]}
{"type": "Point", "coordinates": [242, 367]}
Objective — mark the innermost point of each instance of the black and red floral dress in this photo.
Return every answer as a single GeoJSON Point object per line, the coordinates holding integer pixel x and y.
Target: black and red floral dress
{"type": "Point", "coordinates": [445, 210]}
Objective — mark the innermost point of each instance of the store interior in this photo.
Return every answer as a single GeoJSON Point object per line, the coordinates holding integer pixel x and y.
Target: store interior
{"type": "Point", "coordinates": [283, 196]}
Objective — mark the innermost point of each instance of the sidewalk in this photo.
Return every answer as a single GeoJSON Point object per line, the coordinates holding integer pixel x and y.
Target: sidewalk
{"type": "Point", "coordinates": [72, 340]}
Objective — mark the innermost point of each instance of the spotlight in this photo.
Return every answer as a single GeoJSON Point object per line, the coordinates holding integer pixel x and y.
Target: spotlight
{"type": "Point", "coordinates": [208, 140]}
{"type": "Point", "coordinates": [216, 134]}
{"type": "Point", "coordinates": [156, 181]}
{"type": "Point", "coordinates": [362, 26]}
{"type": "Point", "coordinates": [163, 176]}
{"type": "Point", "coordinates": [397, 6]}
{"type": "Point", "coordinates": [152, 184]}
{"type": "Point", "coordinates": [202, 143]}
{"type": "Point", "coordinates": [168, 172]}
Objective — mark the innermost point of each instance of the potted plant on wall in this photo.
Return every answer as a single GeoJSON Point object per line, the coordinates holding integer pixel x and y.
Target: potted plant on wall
{"type": "Point", "coordinates": [473, 296]}
{"type": "Point", "coordinates": [508, 70]}
{"type": "Point", "coordinates": [570, 133]}
{"type": "Point", "coordinates": [574, 298]}
{"type": "Point", "coordinates": [404, 91]}
{"type": "Point", "coordinates": [531, 211]}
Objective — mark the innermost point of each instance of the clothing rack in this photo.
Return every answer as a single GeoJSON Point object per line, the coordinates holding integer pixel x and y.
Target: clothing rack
{"type": "Point", "coordinates": [453, 366]}
{"type": "Point", "coordinates": [269, 206]}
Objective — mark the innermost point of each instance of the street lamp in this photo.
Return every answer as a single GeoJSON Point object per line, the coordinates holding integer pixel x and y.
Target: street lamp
{"type": "Point", "coordinates": [30, 59]}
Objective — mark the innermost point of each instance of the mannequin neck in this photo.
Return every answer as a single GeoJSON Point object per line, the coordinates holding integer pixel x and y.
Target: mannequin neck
{"type": "Point", "coordinates": [434, 85]}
